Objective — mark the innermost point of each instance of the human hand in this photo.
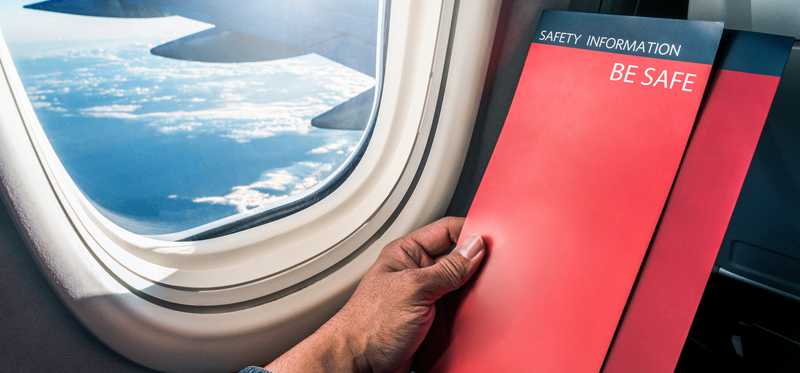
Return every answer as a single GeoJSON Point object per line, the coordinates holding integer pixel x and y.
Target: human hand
{"type": "Point", "coordinates": [391, 311]}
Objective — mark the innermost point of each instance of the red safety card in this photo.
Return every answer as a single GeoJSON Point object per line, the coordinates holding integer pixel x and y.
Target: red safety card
{"type": "Point", "coordinates": [674, 275]}
{"type": "Point", "coordinates": [575, 188]}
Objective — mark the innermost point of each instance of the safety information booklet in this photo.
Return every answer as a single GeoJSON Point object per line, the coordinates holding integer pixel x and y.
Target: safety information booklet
{"type": "Point", "coordinates": [575, 188]}
{"type": "Point", "coordinates": [662, 306]}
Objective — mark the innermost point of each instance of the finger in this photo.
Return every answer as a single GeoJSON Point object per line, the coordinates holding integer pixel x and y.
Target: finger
{"type": "Point", "coordinates": [419, 248]}
{"type": "Point", "coordinates": [453, 270]}
{"type": "Point", "coordinates": [438, 238]}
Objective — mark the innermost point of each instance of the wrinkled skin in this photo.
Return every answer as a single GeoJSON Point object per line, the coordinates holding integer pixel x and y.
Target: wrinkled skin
{"type": "Point", "coordinates": [384, 322]}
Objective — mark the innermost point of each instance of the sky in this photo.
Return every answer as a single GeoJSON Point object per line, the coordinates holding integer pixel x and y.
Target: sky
{"type": "Point", "coordinates": [97, 89]}
{"type": "Point", "coordinates": [24, 26]}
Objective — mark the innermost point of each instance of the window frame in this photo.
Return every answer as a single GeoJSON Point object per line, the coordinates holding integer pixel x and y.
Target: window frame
{"type": "Point", "coordinates": [143, 263]}
{"type": "Point", "coordinates": [212, 300]}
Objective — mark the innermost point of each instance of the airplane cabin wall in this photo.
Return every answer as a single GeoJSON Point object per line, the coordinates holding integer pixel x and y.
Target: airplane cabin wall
{"type": "Point", "coordinates": [39, 333]}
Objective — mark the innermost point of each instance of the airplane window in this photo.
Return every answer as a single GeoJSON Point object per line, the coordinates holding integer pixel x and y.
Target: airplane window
{"type": "Point", "coordinates": [173, 115]}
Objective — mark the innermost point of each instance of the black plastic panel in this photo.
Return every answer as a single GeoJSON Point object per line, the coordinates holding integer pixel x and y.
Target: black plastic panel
{"type": "Point", "coordinates": [763, 239]}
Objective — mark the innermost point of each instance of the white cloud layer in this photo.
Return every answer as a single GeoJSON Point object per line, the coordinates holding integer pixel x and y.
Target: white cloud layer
{"type": "Point", "coordinates": [273, 187]}
{"type": "Point", "coordinates": [237, 102]}
{"type": "Point", "coordinates": [241, 102]}
{"type": "Point", "coordinates": [340, 147]}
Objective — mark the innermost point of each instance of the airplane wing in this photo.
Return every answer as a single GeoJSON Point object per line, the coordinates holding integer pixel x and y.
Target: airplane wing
{"type": "Point", "coordinates": [344, 31]}
{"type": "Point", "coordinates": [219, 45]}
{"type": "Point", "coordinates": [99, 8]}
{"type": "Point", "coordinates": [349, 115]}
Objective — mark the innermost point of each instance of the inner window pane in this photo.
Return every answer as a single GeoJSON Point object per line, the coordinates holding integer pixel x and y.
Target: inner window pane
{"type": "Point", "coordinates": [170, 115]}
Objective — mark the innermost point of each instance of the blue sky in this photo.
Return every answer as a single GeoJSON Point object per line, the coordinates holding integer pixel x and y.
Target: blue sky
{"type": "Point", "coordinates": [246, 124]}
{"type": "Point", "coordinates": [23, 26]}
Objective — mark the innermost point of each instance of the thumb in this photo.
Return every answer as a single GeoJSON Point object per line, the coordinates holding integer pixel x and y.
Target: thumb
{"type": "Point", "coordinates": [453, 270]}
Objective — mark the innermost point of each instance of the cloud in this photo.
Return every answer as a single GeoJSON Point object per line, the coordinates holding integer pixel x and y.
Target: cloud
{"type": "Point", "coordinates": [242, 122]}
{"type": "Point", "coordinates": [183, 127]}
{"type": "Point", "coordinates": [111, 111]}
{"type": "Point", "coordinates": [148, 100]}
{"type": "Point", "coordinates": [241, 102]}
{"type": "Point", "coordinates": [273, 187]}
{"type": "Point", "coordinates": [49, 107]}
{"type": "Point", "coordinates": [243, 199]}
{"type": "Point", "coordinates": [338, 147]}
{"type": "Point", "coordinates": [41, 101]}
{"type": "Point", "coordinates": [245, 135]}
{"type": "Point", "coordinates": [277, 180]}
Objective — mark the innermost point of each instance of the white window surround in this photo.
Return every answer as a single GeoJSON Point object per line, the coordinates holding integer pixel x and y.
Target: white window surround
{"type": "Point", "coordinates": [217, 304]}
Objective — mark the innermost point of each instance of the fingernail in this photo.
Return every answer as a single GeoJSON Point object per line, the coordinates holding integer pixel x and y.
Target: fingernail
{"type": "Point", "coordinates": [471, 248]}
